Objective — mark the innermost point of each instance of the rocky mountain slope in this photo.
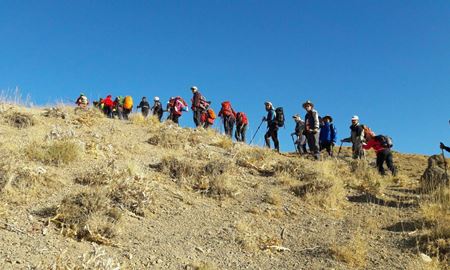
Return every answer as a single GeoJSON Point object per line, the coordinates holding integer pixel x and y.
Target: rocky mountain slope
{"type": "Point", "coordinates": [80, 191]}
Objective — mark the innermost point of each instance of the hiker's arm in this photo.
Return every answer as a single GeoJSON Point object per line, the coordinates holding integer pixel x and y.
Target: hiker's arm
{"type": "Point", "coordinates": [333, 133]}
{"type": "Point", "coordinates": [347, 140]}
{"type": "Point", "coordinates": [446, 148]}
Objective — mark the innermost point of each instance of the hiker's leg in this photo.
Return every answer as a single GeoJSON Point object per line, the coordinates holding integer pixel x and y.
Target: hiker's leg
{"type": "Point", "coordinates": [380, 160]}
{"type": "Point", "coordinates": [275, 139]}
{"type": "Point", "coordinates": [390, 163]}
{"type": "Point", "coordinates": [243, 131]}
{"type": "Point", "coordinates": [329, 149]}
{"type": "Point", "coordinates": [316, 143]}
{"type": "Point", "coordinates": [237, 133]}
{"type": "Point", "coordinates": [267, 138]}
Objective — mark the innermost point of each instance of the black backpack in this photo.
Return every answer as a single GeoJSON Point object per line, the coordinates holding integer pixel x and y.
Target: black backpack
{"type": "Point", "coordinates": [385, 141]}
{"type": "Point", "coordinates": [279, 116]}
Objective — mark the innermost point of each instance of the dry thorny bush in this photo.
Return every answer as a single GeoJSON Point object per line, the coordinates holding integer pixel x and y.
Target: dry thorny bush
{"type": "Point", "coordinates": [18, 119]}
{"type": "Point", "coordinates": [54, 152]}
{"type": "Point", "coordinates": [353, 252]}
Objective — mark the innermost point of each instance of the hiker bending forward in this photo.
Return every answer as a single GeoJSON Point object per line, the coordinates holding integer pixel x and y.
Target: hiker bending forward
{"type": "Point", "coordinates": [384, 153]}
{"type": "Point", "coordinates": [228, 117]}
{"type": "Point", "coordinates": [241, 126]}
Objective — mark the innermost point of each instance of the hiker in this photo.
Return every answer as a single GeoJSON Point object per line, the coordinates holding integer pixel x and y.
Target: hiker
{"type": "Point", "coordinates": [145, 107]}
{"type": "Point", "coordinates": [176, 106]}
{"type": "Point", "coordinates": [118, 107]}
{"type": "Point", "coordinates": [356, 138]}
{"type": "Point", "coordinates": [382, 148]}
{"type": "Point", "coordinates": [312, 129]}
{"type": "Point", "coordinates": [198, 105]}
{"type": "Point", "coordinates": [208, 116]}
{"type": "Point", "coordinates": [443, 147]}
{"type": "Point", "coordinates": [127, 106]}
{"type": "Point", "coordinates": [241, 126]}
{"type": "Point", "coordinates": [272, 126]}
{"type": "Point", "coordinates": [327, 137]}
{"type": "Point", "coordinates": [300, 142]}
{"type": "Point", "coordinates": [228, 118]}
{"type": "Point", "coordinates": [157, 109]}
{"type": "Point", "coordinates": [82, 101]}
{"type": "Point", "coordinates": [107, 105]}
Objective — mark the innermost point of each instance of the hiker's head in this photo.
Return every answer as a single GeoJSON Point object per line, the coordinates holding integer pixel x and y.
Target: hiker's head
{"type": "Point", "coordinates": [82, 94]}
{"type": "Point", "coordinates": [308, 105]}
{"type": "Point", "coordinates": [327, 119]}
{"type": "Point", "coordinates": [156, 99]}
{"type": "Point", "coordinates": [194, 89]}
{"type": "Point", "coordinates": [144, 98]}
{"type": "Point", "coordinates": [355, 120]}
{"type": "Point", "coordinates": [297, 118]}
{"type": "Point", "coordinates": [108, 96]}
{"type": "Point", "coordinates": [268, 105]}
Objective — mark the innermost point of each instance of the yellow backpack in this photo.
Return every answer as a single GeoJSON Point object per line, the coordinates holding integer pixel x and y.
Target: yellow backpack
{"type": "Point", "coordinates": [128, 102]}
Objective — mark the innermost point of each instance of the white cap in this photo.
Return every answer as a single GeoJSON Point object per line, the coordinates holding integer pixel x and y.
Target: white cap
{"type": "Point", "coordinates": [355, 117]}
{"type": "Point", "coordinates": [268, 103]}
{"type": "Point", "coordinates": [156, 98]}
{"type": "Point", "coordinates": [194, 88]}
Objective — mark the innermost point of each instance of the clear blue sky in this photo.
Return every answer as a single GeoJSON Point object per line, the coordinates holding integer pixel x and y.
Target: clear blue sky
{"type": "Point", "coordinates": [387, 61]}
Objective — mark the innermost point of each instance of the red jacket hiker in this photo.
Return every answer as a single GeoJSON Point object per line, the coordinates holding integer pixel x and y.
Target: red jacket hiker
{"type": "Point", "coordinates": [375, 144]}
{"type": "Point", "coordinates": [227, 110]}
{"type": "Point", "coordinates": [108, 101]}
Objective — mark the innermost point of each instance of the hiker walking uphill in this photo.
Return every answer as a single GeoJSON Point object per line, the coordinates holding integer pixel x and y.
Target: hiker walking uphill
{"type": "Point", "coordinates": [327, 138]}
{"type": "Point", "coordinates": [241, 126]}
{"type": "Point", "coordinates": [300, 142]}
{"type": "Point", "coordinates": [272, 126]}
{"type": "Point", "coordinates": [157, 109]}
{"type": "Point", "coordinates": [108, 105]}
{"type": "Point", "coordinates": [312, 129]}
{"type": "Point", "coordinates": [127, 106]}
{"type": "Point", "coordinates": [175, 107]}
{"type": "Point", "coordinates": [208, 116]}
{"type": "Point", "coordinates": [144, 106]}
{"type": "Point", "coordinates": [382, 146]}
{"type": "Point", "coordinates": [198, 105]}
{"type": "Point", "coordinates": [356, 138]}
{"type": "Point", "coordinates": [82, 101]}
{"type": "Point", "coordinates": [118, 107]}
{"type": "Point", "coordinates": [228, 117]}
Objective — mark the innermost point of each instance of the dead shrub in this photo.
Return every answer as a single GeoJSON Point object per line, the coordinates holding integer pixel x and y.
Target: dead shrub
{"type": "Point", "coordinates": [20, 120]}
{"type": "Point", "coordinates": [273, 197]}
{"type": "Point", "coordinates": [178, 168]}
{"type": "Point", "coordinates": [87, 215]}
{"type": "Point", "coordinates": [366, 179]}
{"type": "Point", "coordinates": [130, 195]}
{"type": "Point", "coordinates": [54, 112]}
{"type": "Point", "coordinates": [221, 186]}
{"type": "Point", "coordinates": [353, 252]}
{"type": "Point", "coordinates": [55, 152]}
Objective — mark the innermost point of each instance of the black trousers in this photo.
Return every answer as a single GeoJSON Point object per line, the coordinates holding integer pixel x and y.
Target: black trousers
{"type": "Point", "coordinates": [240, 133]}
{"type": "Point", "coordinates": [272, 132]}
{"type": "Point", "coordinates": [327, 146]}
{"type": "Point", "coordinates": [174, 118]}
{"type": "Point", "coordinates": [385, 155]}
{"type": "Point", "coordinates": [228, 125]}
{"type": "Point", "coordinates": [144, 112]}
{"type": "Point", "coordinates": [197, 116]}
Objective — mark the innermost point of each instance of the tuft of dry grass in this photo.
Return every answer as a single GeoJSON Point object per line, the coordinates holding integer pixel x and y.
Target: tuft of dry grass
{"type": "Point", "coordinates": [131, 195]}
{"type": "Point", "coordinates": [19, 120]}
{"type": "Point", "coordinates": [87, 215]}
{"type": "Point", "coordinates": [435, 211]}
{"type": "Point", "coordinates": [366, 179]}
{"type": "Point", "coordinates": [273, 197]}
{"type": "Point", "coordinates": [354, 252]}
{"type": "Point", "coordinates": [89, 117]}
{"type": "Point", "coordinates": [55, 152]}
{"type": "Point", "coordinates": [224, 142]}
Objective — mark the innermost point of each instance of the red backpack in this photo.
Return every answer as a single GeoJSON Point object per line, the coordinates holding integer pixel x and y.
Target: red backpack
{"type": "Point", "coordinates": [226, 109]}
{"type": "Point", "coordinates": [242, 118]}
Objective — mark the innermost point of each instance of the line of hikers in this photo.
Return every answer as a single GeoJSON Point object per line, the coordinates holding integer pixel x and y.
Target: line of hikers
{"type": "Point", "coordinates": [318, 133]}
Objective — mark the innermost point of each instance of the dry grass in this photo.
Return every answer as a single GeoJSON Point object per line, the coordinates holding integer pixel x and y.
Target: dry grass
{"type": "Point", "coordinates": [273, 197]}
{"type": "Point", "coordinates": [201, 266]}
{"type": "Point", "coordinates": [89, 117]}
{"type": "Point", "coordinates": [354, 252]}
{"type": "Point", "coordinates": [366, 179]}
{"type": "Point", "coordinates": [19, 120]}
{"type": "Point", "coordinates": [54, 153]}
{"type": "Point", "coordinates": [87, 215]}
{"type": "Point", "coordinates": [436, 215]}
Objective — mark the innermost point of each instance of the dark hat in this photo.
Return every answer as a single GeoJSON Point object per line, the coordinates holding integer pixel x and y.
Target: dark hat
{"type": "Point", "coordinates": [329, 117]}
{"type": "Point", "coordinates": [308, 102]}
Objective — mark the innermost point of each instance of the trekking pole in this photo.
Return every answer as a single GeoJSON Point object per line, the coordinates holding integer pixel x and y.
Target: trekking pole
{"type": "Point", "coordinates": [295, 146]}
{"type": "Point", "coordinates": [340, 147]}
{"type": "Point", "coordinates": [256, 132]}
{"type": "Point", "coordinates": [445, 164]}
